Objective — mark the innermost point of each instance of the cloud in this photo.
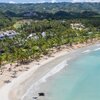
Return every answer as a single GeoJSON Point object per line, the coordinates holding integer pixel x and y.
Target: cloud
{"type": "Point", "coordinates": [42, 1]}
{"type": "Point", "coordinates": [85, 0]}
{"type": "Point", "coordinates": [12, 2]}
{"type": "Point", "coordinates": [53, 1]}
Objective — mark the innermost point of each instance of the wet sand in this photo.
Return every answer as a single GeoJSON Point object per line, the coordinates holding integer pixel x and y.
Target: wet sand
{"type": "Point", "coordinates": [18, 87]}
{"type": "Point", "coordinates": [40, 76]}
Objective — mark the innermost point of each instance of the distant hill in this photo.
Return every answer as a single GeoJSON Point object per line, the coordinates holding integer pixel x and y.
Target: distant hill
{"type": "Point", "coordinates": [9, 13]}
{"type": "Point", "coordinates": [2, 15]}
{"type": "Point", "coordinates": [4, 20]}
{"type": "Point", "coordinates": [51, 10]}
{"type": "Point", "coordinates": [51, 7]}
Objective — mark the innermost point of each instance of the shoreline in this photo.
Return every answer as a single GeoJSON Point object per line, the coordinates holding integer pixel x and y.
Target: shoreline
{"type": "Point", "coordinates": [16, 83]}
{"type": "Point", "coordinates": [36, 86]}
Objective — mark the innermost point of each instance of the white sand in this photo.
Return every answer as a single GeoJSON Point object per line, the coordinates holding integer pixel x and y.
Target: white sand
{"type": "Point", "coordinates": [5, 91]}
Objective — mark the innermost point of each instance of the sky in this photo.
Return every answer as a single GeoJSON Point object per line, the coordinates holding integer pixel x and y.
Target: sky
{"type": "Point", "coordinates": [42, 1]}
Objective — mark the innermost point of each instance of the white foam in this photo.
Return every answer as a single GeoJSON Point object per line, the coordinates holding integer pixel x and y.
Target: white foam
{"type": "Point", "coordinates": [86, 51]}
{"type": "Point", "coordinates": [98, 45]}
{"type": "Point", "coordinates": [96, 49]}
{"type": "Point", "coordinates": [53, 71]}
{"type": "Point", "coordinates": [44, 78]}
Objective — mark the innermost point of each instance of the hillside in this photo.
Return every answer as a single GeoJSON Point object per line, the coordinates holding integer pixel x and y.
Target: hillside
{"type": "Point", "coordinates": [4, 20]}
{"type": "Point", "coordinates": [51, 7]}
{"type": "Point", "coordinates": [55, 11]}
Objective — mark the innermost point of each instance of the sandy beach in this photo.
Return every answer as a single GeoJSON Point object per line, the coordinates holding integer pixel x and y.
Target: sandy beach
{"type": "Point", "coordinates": [33, 72]}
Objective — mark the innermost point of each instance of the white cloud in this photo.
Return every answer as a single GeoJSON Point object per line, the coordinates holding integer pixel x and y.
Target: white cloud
{"type": "Point", "coordinates": [12, 2]}
{"type": "Point", "coordinates": [53, 1]}
{"type": "Point", "coordinates": [85, 0]}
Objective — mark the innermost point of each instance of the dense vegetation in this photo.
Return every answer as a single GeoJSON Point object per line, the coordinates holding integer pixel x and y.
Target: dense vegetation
{"type": "Point", "coordinates": [51, 7]}
{"type": "Point", "coordinates": [31, 42]}
{"type": "Point", "coordinates": [23, 48]}
{"type": "Point", "coordinates": [9, 13]}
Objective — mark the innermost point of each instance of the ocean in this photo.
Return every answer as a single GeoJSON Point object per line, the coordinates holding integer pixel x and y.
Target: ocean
{"type": "Point", "coordinates": [78, 80]}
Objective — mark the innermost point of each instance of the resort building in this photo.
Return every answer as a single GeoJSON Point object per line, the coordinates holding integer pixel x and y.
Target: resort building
{"type": "Point", "coordinates": [10, 34]}
{"type": "Point", "coordinates": [34, 35]}
{"type": "Point", "coordinates": [77, 26]}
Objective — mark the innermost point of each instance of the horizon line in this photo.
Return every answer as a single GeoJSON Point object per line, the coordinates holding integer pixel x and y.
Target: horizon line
{"type": "Point", "coordinates": [42, 2]}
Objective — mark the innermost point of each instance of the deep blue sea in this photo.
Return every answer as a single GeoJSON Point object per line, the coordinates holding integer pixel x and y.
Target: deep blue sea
{"type": "Point", "coordinates": [80, 80]}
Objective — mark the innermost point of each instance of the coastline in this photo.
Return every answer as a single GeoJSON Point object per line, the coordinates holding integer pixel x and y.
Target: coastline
{"type": "Point", "coordinates": [35, 88]}
{"type": "Point", "coordinates": [14, 90]}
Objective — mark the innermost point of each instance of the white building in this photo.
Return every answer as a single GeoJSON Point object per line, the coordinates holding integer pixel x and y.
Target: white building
{"type": "Point", "coordinates": [10, 34]}
{"type": "Point", "coordinates": [77, 26]}
{"type": "Point", "coordinates": [34, 35]}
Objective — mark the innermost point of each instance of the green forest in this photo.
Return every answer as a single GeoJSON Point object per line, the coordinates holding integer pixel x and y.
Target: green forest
{"type": "Point", "coordinates": [42, 27]}
{"type": "Point", "coordinates": [10, 13]}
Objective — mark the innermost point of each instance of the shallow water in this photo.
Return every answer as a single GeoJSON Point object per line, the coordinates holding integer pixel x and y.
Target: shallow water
{"type": "Point", "coordinates": [79, 81]}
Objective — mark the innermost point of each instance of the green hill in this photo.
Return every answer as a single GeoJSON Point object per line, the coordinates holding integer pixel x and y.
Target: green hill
{"type": "Point", "coordinates": [51, 7]}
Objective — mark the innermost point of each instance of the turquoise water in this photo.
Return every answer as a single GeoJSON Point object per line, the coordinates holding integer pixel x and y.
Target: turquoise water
{"type": "Point", "coordinates": [80, 80]}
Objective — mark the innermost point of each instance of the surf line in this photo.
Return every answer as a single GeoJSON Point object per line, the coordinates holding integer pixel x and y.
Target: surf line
{"type": "Point", "coordinates": [97, 49]}
{"type": "Point", "coordinates": [86, 51]}
{"type": "Point", "coordinates": [44, 78]}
